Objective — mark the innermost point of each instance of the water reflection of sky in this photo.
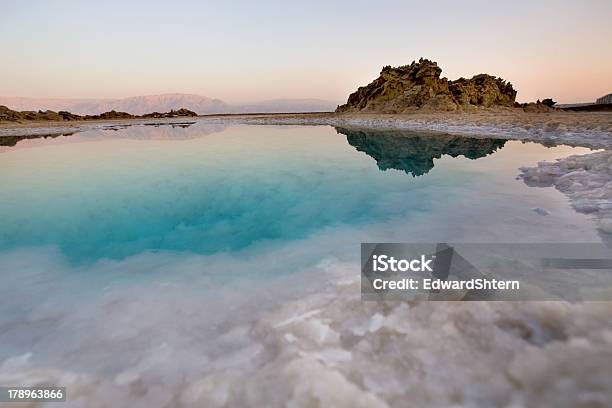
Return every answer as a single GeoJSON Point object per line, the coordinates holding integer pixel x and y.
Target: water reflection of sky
{"type": "Point", "coordinates": [112, 194]}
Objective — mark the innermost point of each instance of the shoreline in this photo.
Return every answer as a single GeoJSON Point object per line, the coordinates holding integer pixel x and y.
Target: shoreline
{"type": "Point", "coordinates": [587, 129]}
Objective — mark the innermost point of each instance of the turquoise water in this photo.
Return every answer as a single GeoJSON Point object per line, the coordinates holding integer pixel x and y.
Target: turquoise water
{"type": "Point", "coordinates": [106, 195]}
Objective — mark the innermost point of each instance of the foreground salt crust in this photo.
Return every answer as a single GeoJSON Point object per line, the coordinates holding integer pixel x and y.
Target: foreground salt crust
{"type": "Point", "coordinates": [335, 350]}
{"type": "Point", "coordinates": [586, 179]}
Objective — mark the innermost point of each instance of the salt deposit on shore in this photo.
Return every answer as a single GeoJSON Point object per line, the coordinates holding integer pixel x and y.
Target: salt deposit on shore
{"type": "Point", "coordinates": [586, 179]}
{"type": "Point", "coordinates": [336, 350]}
{"type": "Point", "coordinates": [580, 129]}
{"type": "Point", "coordinates": [341, 351]}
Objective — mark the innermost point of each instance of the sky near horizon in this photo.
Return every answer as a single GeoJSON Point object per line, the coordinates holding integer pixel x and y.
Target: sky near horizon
{"type": "Point", "coordinates": [244, 51]}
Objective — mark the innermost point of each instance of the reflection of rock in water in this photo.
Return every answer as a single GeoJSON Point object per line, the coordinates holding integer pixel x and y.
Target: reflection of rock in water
{"type": "Point", "coordinates": [133, 131]}
{"type": "Point", "coordinates": [13, 140]}
{"type": "Point", "coordinates": [414, 152]}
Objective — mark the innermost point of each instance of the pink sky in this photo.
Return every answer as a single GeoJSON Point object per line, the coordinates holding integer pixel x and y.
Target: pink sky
{"type": "Point", "coordinates": [248, 51]}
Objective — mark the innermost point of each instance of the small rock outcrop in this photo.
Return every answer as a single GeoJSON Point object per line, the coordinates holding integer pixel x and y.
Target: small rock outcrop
{"type": "Point", "coordinates": [419, 86]}
{"type": "Point", "coordinates": [545, 106]}
{"type": "Point", "coordinates": [172, 114]}
{"type": "Point", "coordinates": [110, 115]}
{"type": "Point", "coordinates": [65, 115]}
{"type": "Point", "coordinates": [9, 115]}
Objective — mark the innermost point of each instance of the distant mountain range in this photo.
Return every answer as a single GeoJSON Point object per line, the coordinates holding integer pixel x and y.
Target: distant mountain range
{"type": "Point", "coordinates": [139, 105]}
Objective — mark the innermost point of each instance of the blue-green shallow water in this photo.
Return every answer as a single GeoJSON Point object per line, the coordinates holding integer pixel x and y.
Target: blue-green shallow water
{"type": "Point", "coordinates": [114, 194]}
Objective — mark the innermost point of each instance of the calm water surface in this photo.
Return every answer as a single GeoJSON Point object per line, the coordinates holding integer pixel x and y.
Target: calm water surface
{"type": "Point", "coordinates": [111, 194]}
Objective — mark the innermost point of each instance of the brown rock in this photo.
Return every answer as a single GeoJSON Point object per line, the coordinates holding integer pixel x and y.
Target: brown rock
{"type": "Point", "coordinates": [419, 86]}
{"type": "Point", "coordinates": [536, 107]}
{"type": "Point", "coordinates": [171, 114]}
{"type": "Point", "coordinates": [110, 115]}
{"type": "Point", "coordinates": [483, 90]}
{"type": "Point", "coordinates": [69, 116]}
{"type": "Point", "coordinates": [9, 115]}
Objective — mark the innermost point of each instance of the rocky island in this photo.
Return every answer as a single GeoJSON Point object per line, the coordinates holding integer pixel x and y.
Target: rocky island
{"type": "Point", "coordinates": [419, 86]}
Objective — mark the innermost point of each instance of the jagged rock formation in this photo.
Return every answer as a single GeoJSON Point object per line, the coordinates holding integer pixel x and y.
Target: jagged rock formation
{"type": "Point", "coordinates": [10, 115]}
{"type": "Point", "coordinates": [483, 90]}
{"type": "Point", "coordinates": [419, 86]}
{"type": "Point", "coordinates": [414, 153]}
